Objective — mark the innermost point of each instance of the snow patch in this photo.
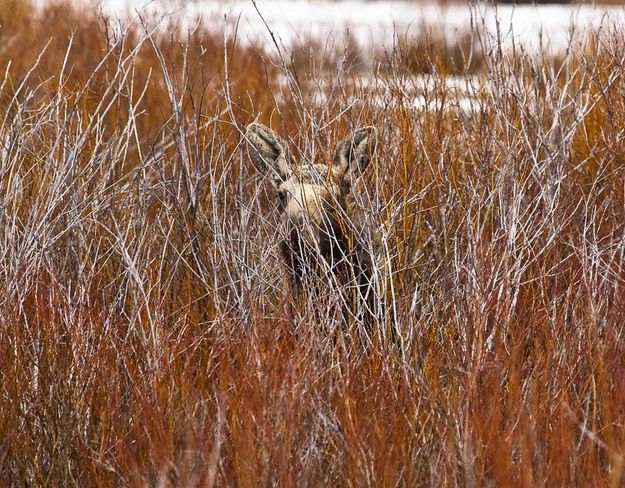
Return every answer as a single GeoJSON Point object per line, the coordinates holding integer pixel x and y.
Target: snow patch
{"type": "Point", "coordinates": [374, 24]}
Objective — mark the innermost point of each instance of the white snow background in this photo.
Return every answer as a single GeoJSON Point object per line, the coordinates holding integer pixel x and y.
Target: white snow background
{"type": "Point", "coordinates": [373, 24]}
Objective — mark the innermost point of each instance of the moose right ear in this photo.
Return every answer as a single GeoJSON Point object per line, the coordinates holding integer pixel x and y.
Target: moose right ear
{"type": "Point", "coordinates": [268, 152]}
{"type": "Point", "coordinates": [353, 154]}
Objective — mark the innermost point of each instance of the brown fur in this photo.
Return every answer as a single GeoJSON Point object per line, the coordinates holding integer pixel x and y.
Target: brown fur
{"type": "Point", "coordinates": [320, 236]}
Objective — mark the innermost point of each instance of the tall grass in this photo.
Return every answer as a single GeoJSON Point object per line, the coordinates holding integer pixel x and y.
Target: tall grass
{"type": "Point", "coordinates": [148, 338]}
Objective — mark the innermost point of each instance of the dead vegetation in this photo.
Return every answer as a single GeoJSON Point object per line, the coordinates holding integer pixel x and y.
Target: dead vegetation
{"type": "Point", "coordinates": [147, 337]}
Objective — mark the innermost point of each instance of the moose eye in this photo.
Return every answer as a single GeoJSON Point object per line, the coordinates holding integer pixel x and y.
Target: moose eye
{"type": "Point", "coordinates": [282, 196]}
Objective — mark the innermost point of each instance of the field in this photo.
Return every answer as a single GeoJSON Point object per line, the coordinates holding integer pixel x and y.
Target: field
{"type": "Point", "coordinates": [147, 333]}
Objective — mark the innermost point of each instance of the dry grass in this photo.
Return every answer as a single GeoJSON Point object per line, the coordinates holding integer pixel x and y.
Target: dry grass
{"type": "Point", "coordinates": [146, 334]}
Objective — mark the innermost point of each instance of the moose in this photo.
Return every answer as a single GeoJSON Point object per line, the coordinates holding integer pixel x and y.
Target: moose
{"type": "Point", "coordinates": [321, 245]}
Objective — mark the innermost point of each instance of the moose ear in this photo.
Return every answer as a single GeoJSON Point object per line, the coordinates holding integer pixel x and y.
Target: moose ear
{"type": "Point", "coordinates": [268, 152]}
{"type": "Point", "coordinates": [353, 154]}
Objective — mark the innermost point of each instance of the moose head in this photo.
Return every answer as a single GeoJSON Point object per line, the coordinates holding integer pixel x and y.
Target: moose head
{"type": "Point", "coordinates": [312, 199]}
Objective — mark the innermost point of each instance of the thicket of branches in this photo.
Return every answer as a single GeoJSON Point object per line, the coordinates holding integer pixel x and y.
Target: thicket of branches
{"type": "Point", "coordinates": [147, 336]}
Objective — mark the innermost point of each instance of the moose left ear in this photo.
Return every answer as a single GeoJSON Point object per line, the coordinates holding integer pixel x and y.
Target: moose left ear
{"type": "Point", "coordinates": [353, 154]}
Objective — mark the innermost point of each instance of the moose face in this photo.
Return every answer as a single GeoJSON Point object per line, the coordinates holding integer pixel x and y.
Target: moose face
{"type": "Point", "coordinates": [312, 196]}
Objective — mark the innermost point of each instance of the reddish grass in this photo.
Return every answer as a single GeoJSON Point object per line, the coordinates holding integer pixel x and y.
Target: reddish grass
{"type": "Point", "coordinates": [147, 337]}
